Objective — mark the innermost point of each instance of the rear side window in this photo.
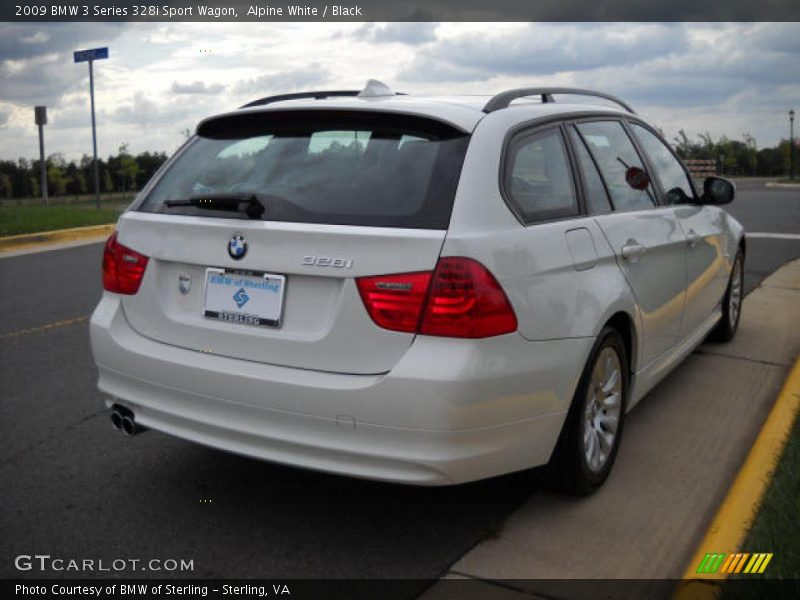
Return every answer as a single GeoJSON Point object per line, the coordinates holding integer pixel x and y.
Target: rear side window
{"type": "Point", "coordinates": [597, 202]}
{"type": "Point", "coordinates": [538, 180]}
{"type": "Point", "coordinates": [622, 169]}
{"type": "Point", "coordinates": [328, 167]}
{"type": "Point", "coordinates": [669, 171]}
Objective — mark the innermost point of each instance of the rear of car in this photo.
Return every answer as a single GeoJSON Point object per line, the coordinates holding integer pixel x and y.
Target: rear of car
{"type": "Point", "coordinates": [279, 290]}
{"type": "Point", "coordinates": [428, 291]}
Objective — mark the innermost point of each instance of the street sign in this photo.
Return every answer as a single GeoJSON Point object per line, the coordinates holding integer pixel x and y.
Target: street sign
{"type": "Point", "coordinates": [40, 115]}
{"type": "Point", "coordinates": [93, 54]}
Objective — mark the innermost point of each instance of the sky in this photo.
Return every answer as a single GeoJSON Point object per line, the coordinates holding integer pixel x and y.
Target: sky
{"type": "Point", "coordinates": [162, 78]}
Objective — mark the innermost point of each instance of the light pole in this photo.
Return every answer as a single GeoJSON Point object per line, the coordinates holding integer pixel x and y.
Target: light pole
{"type": "Point", "coordinates": [791, 143]}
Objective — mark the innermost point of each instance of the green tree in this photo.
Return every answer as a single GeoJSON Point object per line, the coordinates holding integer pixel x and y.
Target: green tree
{"type": "Point", "coordinates": [56, 174]}
{"type": "Point", "coordinates": [127, 168]}
{"type": "Point", "coordinates": [6, 188]}
{"type": "Point", "coordinates": [107, 183]}
{"type": "Point", "coordinates": [36, 189]}
{"type": "Point", "coordinates": [76, 180]}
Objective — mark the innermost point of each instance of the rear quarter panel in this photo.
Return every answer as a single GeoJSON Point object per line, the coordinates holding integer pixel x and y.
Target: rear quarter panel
{"type": "Point", "coordinates": [557, 290]}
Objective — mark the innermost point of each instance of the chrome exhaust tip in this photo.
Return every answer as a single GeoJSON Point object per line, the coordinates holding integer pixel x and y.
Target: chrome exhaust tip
{"type": "Point", "coordinates": [124, 420]}
{"type": "Point", "coordinates": [116, 419]}
{"type": "Point", "coordinates": [129, 426]}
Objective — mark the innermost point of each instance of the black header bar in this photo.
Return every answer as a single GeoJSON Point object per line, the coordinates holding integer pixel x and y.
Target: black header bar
{"type": "Point", "coordinates": [397, 10]}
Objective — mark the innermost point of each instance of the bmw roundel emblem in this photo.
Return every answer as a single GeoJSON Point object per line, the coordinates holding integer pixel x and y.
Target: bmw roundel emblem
{"type": "Point", "coordinates": [237, 247]}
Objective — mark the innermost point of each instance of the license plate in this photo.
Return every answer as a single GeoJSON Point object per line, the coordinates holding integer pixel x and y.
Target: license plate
{"type": "Point", "coordinates": [244, 297]}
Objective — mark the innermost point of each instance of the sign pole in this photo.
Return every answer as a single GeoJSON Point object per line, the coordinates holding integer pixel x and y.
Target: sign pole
{"type": "Point", "coordinates": [94, 138]}
{"type": "Point", "coordinates": [90, 56]}
{"type": "Point", "coordinates": [41, 120]}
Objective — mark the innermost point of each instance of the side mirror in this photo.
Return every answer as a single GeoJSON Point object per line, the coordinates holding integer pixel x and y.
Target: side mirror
{"type": "Point", "coordinates": [718, 190]}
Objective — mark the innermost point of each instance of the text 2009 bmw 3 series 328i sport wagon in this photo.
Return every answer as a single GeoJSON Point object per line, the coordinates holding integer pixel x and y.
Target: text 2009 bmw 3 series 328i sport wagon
{"type": "Point", "coordinates": [429, 290]}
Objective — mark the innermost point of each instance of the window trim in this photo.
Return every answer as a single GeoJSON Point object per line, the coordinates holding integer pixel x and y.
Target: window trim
{"type": "Point", "coordinates": [518, 135]}
{"type": "Point", "coordinates": [541, 123]}
{"type": "Point", "coordinates": [570, 127]}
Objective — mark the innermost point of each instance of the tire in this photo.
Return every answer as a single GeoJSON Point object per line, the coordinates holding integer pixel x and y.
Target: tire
{"type": "Point", "coordinates": [731, 304]}
{"type": "Point", "coordinates": [581, 463]}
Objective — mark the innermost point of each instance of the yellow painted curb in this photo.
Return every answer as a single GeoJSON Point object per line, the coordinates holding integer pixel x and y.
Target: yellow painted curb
{"type": "Point", "coordinates": [44, 238]}
{"type": "Point", "coordinates": [736, 513]}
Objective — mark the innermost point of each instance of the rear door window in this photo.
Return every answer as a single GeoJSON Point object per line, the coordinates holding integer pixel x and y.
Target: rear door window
{"type": "Point", "coordinates": [335, 168]}
{"type": "Point", "coordinates": [538, 180]}
{"type": "Point", "coordinates": [621, 166]}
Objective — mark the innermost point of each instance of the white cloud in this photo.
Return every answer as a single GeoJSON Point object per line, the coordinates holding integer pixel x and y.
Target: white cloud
{"type": "Point", "coordinates": [165, 77]}
{"type": "Point", "coordinates": [289, 80]}
{"type": "Point", "coordinates": [196, 87]}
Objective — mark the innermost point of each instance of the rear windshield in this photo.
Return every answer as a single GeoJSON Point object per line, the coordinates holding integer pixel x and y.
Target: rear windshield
{"type": "Point", "coordinates": [342, 168]}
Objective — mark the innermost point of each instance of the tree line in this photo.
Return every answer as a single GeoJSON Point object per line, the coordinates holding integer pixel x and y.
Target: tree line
{"type": "Point", "coordinates": [123, 172]}
{"type": "Point", "coordinates": [128, 173]}
{"type": "Point", "coordinates": [737, 157]}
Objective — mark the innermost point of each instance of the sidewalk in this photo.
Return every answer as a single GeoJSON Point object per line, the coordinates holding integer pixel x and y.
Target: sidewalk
{"type": "Point", "coordinates": [682, 447]}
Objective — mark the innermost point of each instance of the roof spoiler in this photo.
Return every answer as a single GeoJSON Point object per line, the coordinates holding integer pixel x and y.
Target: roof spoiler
{"type": "Point", "coordinates": [503, 99]}
{"type": "Point", "coordinates": [372, 89]}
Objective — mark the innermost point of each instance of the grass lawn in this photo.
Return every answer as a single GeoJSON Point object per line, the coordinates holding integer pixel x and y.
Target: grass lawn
{"type": "Point", "coordinates": [776, 529]}
{"type": "Point", "coordinates": [17, 219]}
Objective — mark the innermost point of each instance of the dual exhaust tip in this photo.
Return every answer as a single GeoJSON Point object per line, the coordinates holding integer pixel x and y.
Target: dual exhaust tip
{"type": "Point", "coordinates": [123, 419]}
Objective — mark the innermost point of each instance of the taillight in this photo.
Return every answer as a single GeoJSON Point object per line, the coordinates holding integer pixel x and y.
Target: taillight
{"type": "Point", "coordinates": [123, 268]}
{"type": "Point", "coordinates": [460, 299]}
{"type": "Point", "coordinates": [466, 301]}
{"type": "Point", "coordinates": [395, 301]}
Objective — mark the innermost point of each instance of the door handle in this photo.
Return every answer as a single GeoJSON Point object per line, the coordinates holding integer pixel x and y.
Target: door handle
{"type": "Point", "coordinates": [692, 238]}
{"type": "Point", "coordinates": [632, 250]}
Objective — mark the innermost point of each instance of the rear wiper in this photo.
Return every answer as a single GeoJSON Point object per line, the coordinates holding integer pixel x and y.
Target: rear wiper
{"type": "Point", "coordinates": [246, 203]}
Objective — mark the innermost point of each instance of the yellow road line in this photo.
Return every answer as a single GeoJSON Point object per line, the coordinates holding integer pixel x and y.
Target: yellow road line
{"type": "Point", "coordinates": [46, 238]}
{"type": "Point", "coordinates": [43, 328]}
{"type": "Point", "coordinates": [736, 513]}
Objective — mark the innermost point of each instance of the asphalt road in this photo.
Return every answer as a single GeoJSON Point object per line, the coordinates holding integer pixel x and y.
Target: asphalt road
{"type": "Point", "coordinates": [74, 488]}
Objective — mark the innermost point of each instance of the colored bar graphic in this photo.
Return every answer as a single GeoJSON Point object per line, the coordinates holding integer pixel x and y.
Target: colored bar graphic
{"type": "Point", "coordinates": [710, 563]}
{"type": "Point", "coordinates": [741, 562]}
{"type": "Point", "coordinates": [767, 558]}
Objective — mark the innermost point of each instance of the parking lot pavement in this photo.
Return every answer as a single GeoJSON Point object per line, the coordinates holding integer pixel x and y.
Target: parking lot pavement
{"type": "Point", "coordinates": [73, 487]}
{"type": "Point", "coordinates": [681, 450]}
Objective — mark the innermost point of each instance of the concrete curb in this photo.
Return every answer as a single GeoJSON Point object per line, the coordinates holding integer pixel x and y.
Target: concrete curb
{"type": "Point", "coordinates": [42, 239]}
{"type": "Point", "coordinates": [783, 185]}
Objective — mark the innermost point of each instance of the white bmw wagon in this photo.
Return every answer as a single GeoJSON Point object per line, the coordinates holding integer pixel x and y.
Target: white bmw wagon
{"type": "Point", "coordinates": [429, 290]}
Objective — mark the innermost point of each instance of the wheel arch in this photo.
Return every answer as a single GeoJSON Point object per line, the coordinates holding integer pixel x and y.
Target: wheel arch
{"type": "Point", "coordinates": [625, 325]}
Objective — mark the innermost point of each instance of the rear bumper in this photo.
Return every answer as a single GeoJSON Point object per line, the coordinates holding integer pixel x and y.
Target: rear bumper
{"type": "Point", "coordinates": [450, 411]}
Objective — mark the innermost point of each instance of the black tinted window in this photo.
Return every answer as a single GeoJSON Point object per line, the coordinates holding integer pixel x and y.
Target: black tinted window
{"type": "Point", "coordinates": [597, 201]}
{"type": "Point", "coordinates": [538, 177]}
{"type": "Point", "coordinates": [339, 168]}
{"type": "Point", "coordinates": [668, 169]}
{"type": "Point", "coordinates": [622, 168]}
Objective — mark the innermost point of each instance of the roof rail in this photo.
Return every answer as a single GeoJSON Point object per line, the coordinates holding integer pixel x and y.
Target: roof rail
{"type": "Point", "coordinates": [503, 99]}
{"type": "Point", "coordinates": [318, 95]}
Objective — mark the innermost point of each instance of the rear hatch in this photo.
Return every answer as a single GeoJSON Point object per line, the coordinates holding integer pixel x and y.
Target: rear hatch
{"type": "Point", "coordinates": [257, 231]}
